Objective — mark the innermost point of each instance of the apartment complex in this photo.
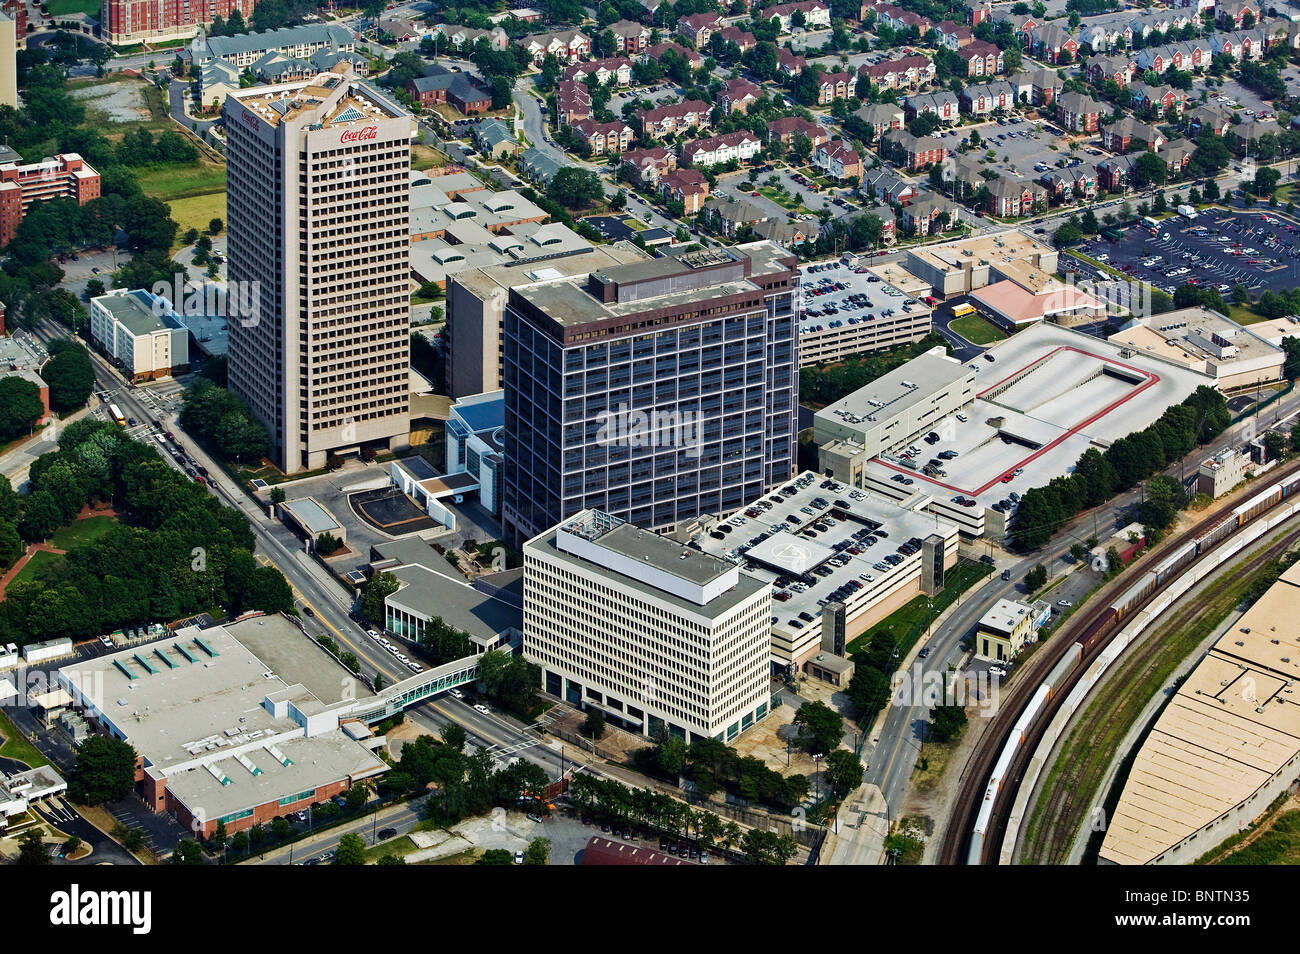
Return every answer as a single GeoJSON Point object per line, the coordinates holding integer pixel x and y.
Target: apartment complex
{"type": "Point", "coordinates": [140, 333]}
{"type": "Point", "coordinates": [65, 175]}
{"type": "Point", "coordinates": [656, 391]}
{"type": "Point", "coordinates": [123, 22]}
{"type": "Point", "coordinates": [10, 34]}
{"type": "Point", "coordinates": [319, 218]}
{"type": "Point", "coordinates": [654, 635]}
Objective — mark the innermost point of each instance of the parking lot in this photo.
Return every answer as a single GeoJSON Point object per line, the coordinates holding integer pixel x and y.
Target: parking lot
{"type": "Point", "coordinates": [848, 311]}
{"type": "Point", "coordinates": [657, 95]}
{"type": "Point", "coordinates": [1022, 145]}
{"type": "Point", "coordinates": [1260, 250]}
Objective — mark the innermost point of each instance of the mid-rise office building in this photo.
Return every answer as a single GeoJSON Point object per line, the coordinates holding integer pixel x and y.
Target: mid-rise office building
{"type": "Point", "coordinates": [123, 22]}
{"type": "Point", "coordinates": [655, 635]}
{"type": "Point", "coordinates": [319, 213]}
{"type": "Point", "coordinates": [140, 333]}
{"type": "Point", "coordinates": [656, 391]}
{"type": "Point", "coordinates": [66, 175]}
{"type": "Point", "coordinates": [10, 34]}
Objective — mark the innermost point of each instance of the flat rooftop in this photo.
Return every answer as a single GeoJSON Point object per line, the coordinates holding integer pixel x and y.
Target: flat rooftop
{"type": "Point", "coordinates": [999, 248]}
{"type": "Point", "coordinates": [307, 100]}
{"type": "Point", "coordinates": [1049, 394]}
{"type": "Point", "coordinates": [880, 294]}
{"type": "Point", "coordinates": [644, 562]}
{"type": "Point", "coordinates": [432, 592]}
{"type": "Point", "coordinates": [311, 515]}
{"type": "Point", "coordinates": [1197, 336]}
{"type": "Point", "coordinates": [811, 556]}
{"type": "Point", "coordinates": [135, 312]}
{"type": "Point", "coordinates": [483, 281]}
{"type": "Point", "coordinates": [900, 389]}
{"type": "Point", "coordinates": [1233, 724]}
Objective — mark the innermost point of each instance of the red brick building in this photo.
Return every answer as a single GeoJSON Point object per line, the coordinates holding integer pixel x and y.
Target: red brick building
{"type": "Point", "coordinates": [123, 22]}
{"type": "Point", "coordinates": [66, 175]}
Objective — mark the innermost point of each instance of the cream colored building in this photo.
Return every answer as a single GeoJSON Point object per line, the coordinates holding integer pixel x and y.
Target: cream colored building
{"type": "Point", "coordinates": [1226, 745]}
{"type": "Point", "coordinates": [318, 201]}
{"type": "Point", "coordinates": [1004, 630]}
{"type": "Point", "coordinates": [649, 632]}
{"type": "Point", "coordinates": [1208, 342]}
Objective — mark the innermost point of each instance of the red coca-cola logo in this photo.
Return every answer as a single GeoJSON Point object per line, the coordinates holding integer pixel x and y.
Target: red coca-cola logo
{"type": "Point", "coordinates": [360, 135]}
{"type": "Point", "coordinates": [250, 121]}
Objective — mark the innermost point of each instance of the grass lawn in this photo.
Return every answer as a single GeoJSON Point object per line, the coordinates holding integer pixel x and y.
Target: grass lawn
{"type": "Point", "coordinates": [82, 532]}
{"type": "Point", "coordinates": [196, 211]}
{"type": "Point", "coordinates": [16, 746]}
{"type": "Point", "coordinates": [60, 8]}
{"type": "Point", "coordinates": [908, 623]}
{"type": "Point", "coordinates": [169, 183]}
{"type": "Point", "coordinates": [977, 329]}
{"type": "Point", "coordinates": [40, 560]}
{"type": "Point", "coordinates": [426, 157]}
{"type": "Point", "coordinates": [1243, 314]}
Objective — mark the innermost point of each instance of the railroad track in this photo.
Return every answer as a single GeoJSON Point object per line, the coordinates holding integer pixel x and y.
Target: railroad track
{"type": "Point", "coordinates": [974, 780]}
{"type": "Point", "coordinates": [1061, 826]}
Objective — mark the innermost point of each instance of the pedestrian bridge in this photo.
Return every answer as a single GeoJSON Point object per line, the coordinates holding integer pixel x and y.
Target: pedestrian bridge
{"type": "Point", "coordinates": [417, 689]}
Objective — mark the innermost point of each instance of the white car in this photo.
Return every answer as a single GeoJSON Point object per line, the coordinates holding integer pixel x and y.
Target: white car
{"type": "Point", "coordinates": [456, 693]}
{"type": "Point", "coordinates": [373, 634]}
{"type": "Point", "coordinates": [481, 708]}
{"type": "Point", "coordinates": [1064, 603]}
{"type": "Point", "coordinates": [414, 667]}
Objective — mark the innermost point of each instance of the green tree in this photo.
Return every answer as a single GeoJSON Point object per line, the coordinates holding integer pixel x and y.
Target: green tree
{"type": "Point", "coordinates": [594, 726]}
{"type": "Point", "coordinates": [495, 856]}
{"type": "Point", "coordinates": [187, 852]}
{"type": "Point", "coordinates": [539, 852]}
{"type": "Point", "coordinates": [105, 770]}
{"type": "Point", "coordinates": [351, 850]}
{"type": "Point", "coordinates": [947, 722]}
{"type": "Point", "coordinates": [377, 588]}
{"type": "Point", "coordinates": [32, 849]}
{"type": "Point", "coordinates": [20, 406]}
{"type": "Point", "coordinates": [843, 772]}
{"type": "Point", "coordinates": [821, 727]}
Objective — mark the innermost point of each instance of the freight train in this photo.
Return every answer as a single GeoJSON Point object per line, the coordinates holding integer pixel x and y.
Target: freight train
{"type": "Point", "coordinates": [1124, 609]}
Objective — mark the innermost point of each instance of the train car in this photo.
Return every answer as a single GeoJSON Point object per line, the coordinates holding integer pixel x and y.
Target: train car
{"type": "Point", "coordinates": [1175, 560]}
{"type": "Point", "coordinates": [1036, 703]}
{"type": "Point", "coordinates": [1073, 656]}
{"type": "Point", "coordinates": [1216, 533]}
{"type": "Point", "coordinates": [1257, 504]}
{"type": "Point", "coordinates": [1099, 628]}
{"type": "Point", "coordinates": [1135, 594]}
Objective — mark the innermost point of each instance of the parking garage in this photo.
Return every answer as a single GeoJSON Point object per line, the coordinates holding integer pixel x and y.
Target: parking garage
{"type": "Point", "coordinates": [820, 541]}
{"type": "Point", "coordinates": [848, 311]}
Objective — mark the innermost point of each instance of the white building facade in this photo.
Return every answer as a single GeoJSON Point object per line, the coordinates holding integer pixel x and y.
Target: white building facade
{"type": "Point", "coordinates": [653, 634]}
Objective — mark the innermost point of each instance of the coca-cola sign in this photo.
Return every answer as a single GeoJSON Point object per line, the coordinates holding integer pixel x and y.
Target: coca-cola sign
{"type": "Point", "coordinates": [359, 135]}
{"type": "Point", "coordinates": [250, 121]}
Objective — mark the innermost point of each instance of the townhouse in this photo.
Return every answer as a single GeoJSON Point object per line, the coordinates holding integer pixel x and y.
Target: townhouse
{"type": "Point", "coordinates": [789, 63]}
{"type": "Point", "coordinates": [1118, 67]}
{"type": "Point", "coordinates": [881, 117]}
{"type": "Point", "coordinates": [742, 38]}
{"type": "Point", "coordinates": [738, 95]}
{"type": "Point", "coordinates": [1241, 44]}
{"type": "Point", "coordinates": [1066, 185]}
{"type": "Point", "coordinates": [953, 36]}
{"type": "Point", "coordinates": [1009, 198]}
{"type": "Point", "coordinates": [981, 59]}
{"type": "Point", "coordinates": [1235, 14]}
{"type": "Point", "coordinates": [687, 186]}
{"type": "Point", "coordinates": [885, 185]}
{"type": "Point", "coordinates": [1177, 156]}
{"type": "Point", "coordinates": [989, 97]}
{"type": "Point", "coordinates": [613, 69]}
{"type": "Point", "coordinates": [942, 104]}
{"type": "Point", "coordinates": [785, 129]}
{"type": "Point", "coordinates": [699, 27]}
{"type": "Point", "coordinates": [674, 118]}
{"type": "Point", "coordinates": [1021, 24]}
{"type": "Point", "coordinates": [904, 72]}
{"type": "Point", "coordinates": [572, 102]}
{"type": "Point", "coordinates": [1214, 118]}
{"type": "Point", "coordinates": [912, 152]}
{"type": "Point", "coordinates": [838, 160]}
{"type": "Point", "coordinates": [568, 46]}
{"type": "Point", "coordinates": [816, 15]}
{"type": "Point", "coordinates": [930, 214]}
{"type": "Point", "coordinates": [1113, 172]}
{"type": "Point", "coordinates": [463, 38]}
{"type": "Point", "coordinates": [1049, 41]}
{"type": "Point", "coordinates": [1165, 100]}
{"type": "Point", "coordinates": [1079, 112]}
{"type": "Point", "coordinates": [604, 138]}
{"type": "Point", "coordinates": [738, 146]}
{"type": "Point", "coordinates": [632, 37]}
{"type": "Point", "coordinates": [899, 20]}
{"type": "Point", "coordinates": [647, 167]}
{"type": "Point", "coordinates": [1128, 133]}
{"type": "Point", "coordinates": [1186, 56]}
{"type": "Point", "coordinates": [1039, 87]}
{"type": "Point", "coordinates": [656, 52]}
{"type": "Point", "coordinates": [833, 86]}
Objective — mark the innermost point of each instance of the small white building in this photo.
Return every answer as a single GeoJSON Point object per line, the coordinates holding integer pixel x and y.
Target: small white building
{"type": "Point", "coordinates": [140, 332]}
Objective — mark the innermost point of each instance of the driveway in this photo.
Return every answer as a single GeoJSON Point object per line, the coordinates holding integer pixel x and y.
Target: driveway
{"type": "Point", "coordinates": [535, 124]}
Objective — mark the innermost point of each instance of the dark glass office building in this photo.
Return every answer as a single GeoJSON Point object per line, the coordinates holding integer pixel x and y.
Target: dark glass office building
{"type": "Point", "coordinates": [657, 391]}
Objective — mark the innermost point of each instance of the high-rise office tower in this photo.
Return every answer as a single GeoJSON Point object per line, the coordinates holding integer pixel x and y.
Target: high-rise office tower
{"type": "Point", "coordinates": [318, 207]}
{"type": "Point", "coordinates": [654, 391]}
